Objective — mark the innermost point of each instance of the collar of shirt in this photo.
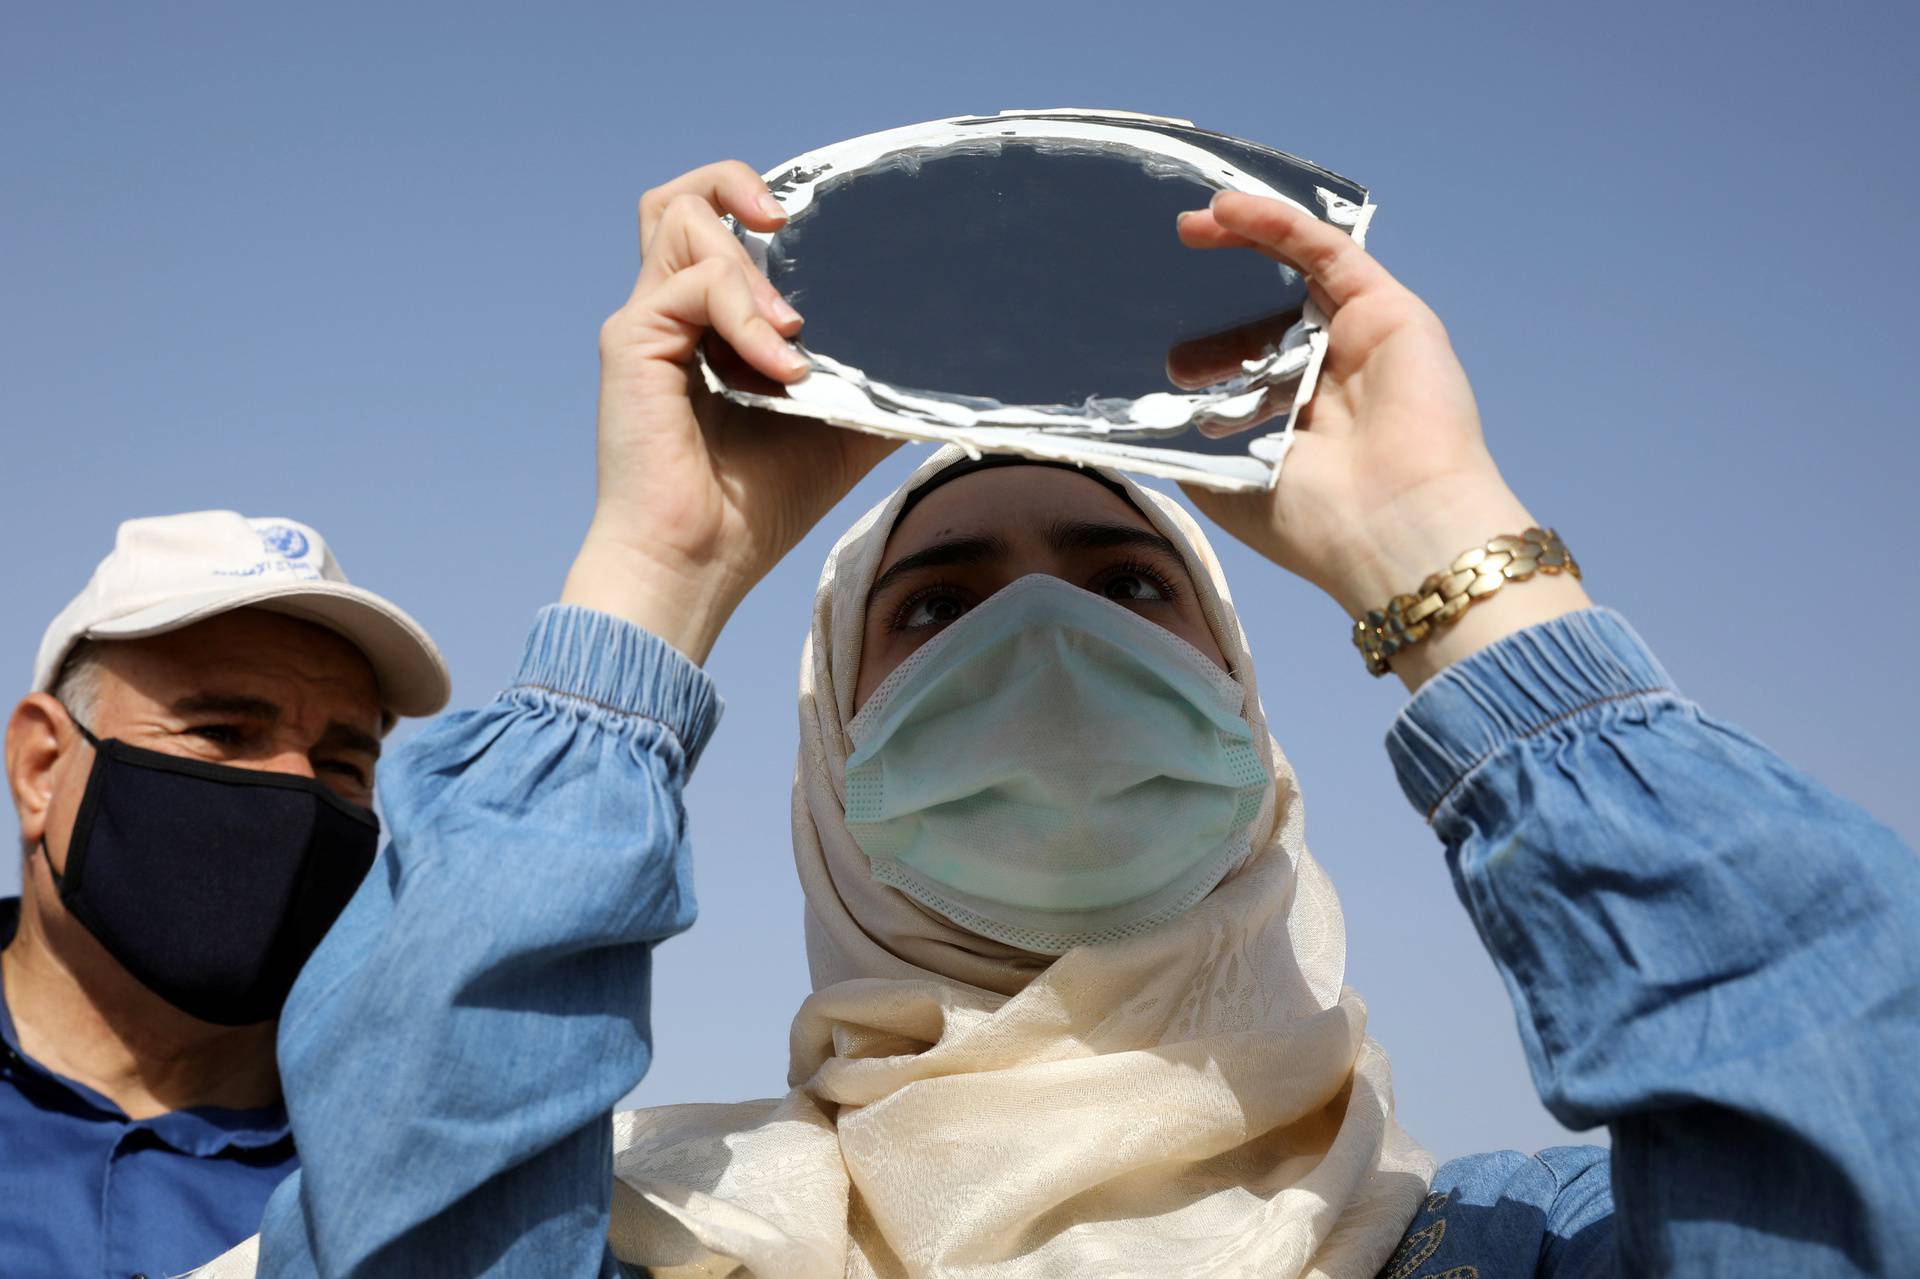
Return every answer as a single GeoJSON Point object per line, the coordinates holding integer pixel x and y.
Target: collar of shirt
{"type": "Point", "coordinates": [202, 1131]}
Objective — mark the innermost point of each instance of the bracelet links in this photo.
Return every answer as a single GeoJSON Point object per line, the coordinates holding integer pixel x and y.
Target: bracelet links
{"type": "Point", "coordinates": [1475, 574]}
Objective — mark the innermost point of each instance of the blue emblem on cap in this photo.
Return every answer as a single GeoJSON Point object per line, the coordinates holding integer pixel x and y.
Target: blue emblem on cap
{"type": "Point", "coordinates": [285, 540]}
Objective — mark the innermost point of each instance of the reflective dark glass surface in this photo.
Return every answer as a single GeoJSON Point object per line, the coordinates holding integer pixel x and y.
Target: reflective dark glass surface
{"type": "Point", "coordinates": [1027, 274]}
{"type": "Point", "coordinates": [1290, 175]}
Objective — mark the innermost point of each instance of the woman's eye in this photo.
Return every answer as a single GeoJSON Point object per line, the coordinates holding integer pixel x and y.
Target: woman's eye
{"type": "Point", "coordinates": [1132, 586]}
{"type": "Point", "coordinates": [931, 610]}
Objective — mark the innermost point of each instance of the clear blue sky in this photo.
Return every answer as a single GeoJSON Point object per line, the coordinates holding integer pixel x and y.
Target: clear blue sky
{"type": "Point", "coordinates": [347, 262]}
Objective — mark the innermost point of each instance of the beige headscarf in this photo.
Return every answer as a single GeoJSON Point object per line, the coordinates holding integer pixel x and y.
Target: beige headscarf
{"type": "Point", "coordinates": [1198, 1100]}
{"type": "Point", "coordinates": [1201, 1100]}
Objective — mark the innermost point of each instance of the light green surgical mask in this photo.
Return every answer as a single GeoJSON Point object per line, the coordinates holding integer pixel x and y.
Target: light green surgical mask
{"type": "Point", "coordinates": [1054, 770]}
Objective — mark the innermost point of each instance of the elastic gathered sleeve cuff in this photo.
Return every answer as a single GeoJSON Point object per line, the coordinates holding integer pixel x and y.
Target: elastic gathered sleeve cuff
{"type": "Point", "coordinates": [612, 664]}
{"type": "Point", "coordinates": [470, 1021]}
{"type": "Point", "coordinates": [1707, 951]}
{"type": "Point", "coordinates": [1511, 690]}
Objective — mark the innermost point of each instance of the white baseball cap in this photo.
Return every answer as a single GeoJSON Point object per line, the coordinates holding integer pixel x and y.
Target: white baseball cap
{"type": "Point", "coordinates": [171, 571]}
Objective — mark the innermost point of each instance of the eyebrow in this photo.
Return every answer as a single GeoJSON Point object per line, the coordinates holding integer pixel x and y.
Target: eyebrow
{"type": "Point", "coordinates": [1061, 535]}
{"type": "Point", "coordinates": [227, 704]}
{"type": "Point", "coordinates": [259, 708]}
{"type": "Point", "coordinates": [958, 550]}
{"type": "Point", "coordinates": [1100, 535]}
{"type": "Point", "coordinates": [351, 738]}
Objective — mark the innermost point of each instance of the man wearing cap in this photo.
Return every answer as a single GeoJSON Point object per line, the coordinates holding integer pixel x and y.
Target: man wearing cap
{"type": "Point", "coordinates": [193, 772]}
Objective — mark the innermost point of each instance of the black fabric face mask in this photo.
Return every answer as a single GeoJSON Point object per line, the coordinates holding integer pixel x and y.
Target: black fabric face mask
{"type": "Point", "coordinates": [211, 884]}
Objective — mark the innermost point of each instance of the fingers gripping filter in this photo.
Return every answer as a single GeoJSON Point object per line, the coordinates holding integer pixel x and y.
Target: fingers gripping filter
{"type": "Point", "coordinates": [1053, 771]}
{"type": "Point", "coordinates": [1014, 284]}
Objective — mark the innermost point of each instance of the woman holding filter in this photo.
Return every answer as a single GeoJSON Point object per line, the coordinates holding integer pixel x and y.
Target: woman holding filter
{"type": "Point", "coordinates": [1078, 1006]}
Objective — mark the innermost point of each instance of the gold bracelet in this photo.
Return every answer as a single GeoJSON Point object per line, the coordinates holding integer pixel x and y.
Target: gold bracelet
{"type": "Point", "coordinates": [1444, 596]}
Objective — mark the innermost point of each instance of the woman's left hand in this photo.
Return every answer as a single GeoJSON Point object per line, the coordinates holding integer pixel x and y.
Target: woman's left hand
{"type": "Point", "coordinates": [1389, 477]}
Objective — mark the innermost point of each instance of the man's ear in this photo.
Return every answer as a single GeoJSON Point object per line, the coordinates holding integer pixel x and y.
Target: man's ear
{"type": "Point", "coordinates": [38, 734]}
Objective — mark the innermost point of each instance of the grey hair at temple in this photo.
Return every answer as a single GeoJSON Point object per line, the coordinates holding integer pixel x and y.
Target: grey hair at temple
{"type": "Point", "coordinates": [78, 687]}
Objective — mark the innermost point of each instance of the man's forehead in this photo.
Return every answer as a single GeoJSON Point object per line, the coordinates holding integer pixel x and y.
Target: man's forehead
{"type": "Point", "coordinates": [248, 655]}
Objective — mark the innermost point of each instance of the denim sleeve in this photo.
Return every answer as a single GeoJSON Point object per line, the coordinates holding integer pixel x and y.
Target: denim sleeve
{"type": "Point", "coordinates": [451, 1053]}
{"type": "Point", "coordinates": [1510, 1214]}
{"type": "Point", "coordinates": [1708, 952]}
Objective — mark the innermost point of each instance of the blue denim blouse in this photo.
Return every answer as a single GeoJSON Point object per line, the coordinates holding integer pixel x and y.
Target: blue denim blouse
{"type": "Point", "coordinates": [1708, 952]}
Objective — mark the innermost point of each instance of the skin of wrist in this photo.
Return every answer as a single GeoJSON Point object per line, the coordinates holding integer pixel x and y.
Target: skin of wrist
{"type": "Point", "coordinates": [1418, 535]}
{"type": "Point", "coordinates": [1513, 608]}
{"type": "Point", "coordinates": [1401, 550]}
{"type": "Point", "coordinates": [687, 604]}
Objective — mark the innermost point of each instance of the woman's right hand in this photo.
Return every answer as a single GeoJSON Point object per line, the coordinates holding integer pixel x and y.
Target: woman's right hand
{"type": "Point", "coordinates": [698, 497]}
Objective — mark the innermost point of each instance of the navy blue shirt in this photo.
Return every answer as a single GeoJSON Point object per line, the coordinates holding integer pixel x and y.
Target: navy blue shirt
{"type": "Point", "coordinates": [86, 1191]}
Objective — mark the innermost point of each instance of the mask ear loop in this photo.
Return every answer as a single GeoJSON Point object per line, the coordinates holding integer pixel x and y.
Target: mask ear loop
{"type": "Point", "coordinates": [59, 880]}
{"type": "Point", "coordinates": [84, 730]}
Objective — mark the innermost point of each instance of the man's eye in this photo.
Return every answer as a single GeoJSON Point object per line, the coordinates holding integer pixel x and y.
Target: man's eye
{"type": "Point", "coordinates": [221, 734]}
{"type": "Point", "coordinates": [933, 607]}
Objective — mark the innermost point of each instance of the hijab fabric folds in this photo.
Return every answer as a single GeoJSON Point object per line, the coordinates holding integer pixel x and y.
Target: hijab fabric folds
{"type": "Point", "coordinates": [1200, 1100]}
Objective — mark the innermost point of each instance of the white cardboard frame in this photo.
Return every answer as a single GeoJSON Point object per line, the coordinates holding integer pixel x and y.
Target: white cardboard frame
{"type": "Point", "coordinates": [845, 396]}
